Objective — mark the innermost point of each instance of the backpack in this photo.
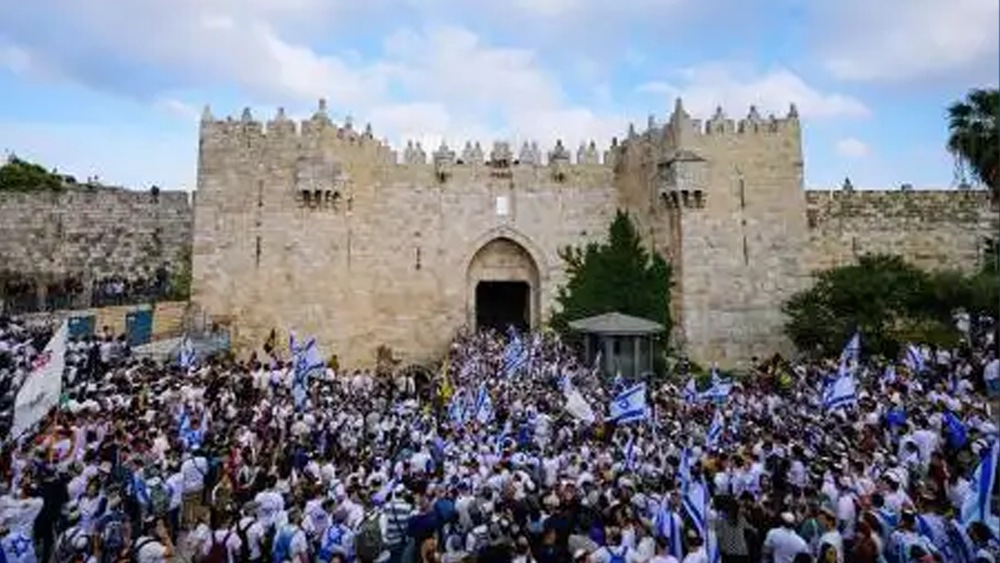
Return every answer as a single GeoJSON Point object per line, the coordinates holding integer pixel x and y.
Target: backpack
{"type": "Point", "coordinates": [159, 498]}
{"type": "Point", "coordinates": [267, 543]}
{"type": "Point", "coordinates": [244, 541]}
{"type": "Point", "coordinates": [66, 552]}
{"type": "Point", "coordinates": [139, 546]}
{"type": "Point", "coordinates": [331, 542]}
{"type": "Point", "coordinates": [281, 551]}
{"type": "Point", "coordinates": [617, 557]}
{"type": "Point", "coordinates": [368, 542]}
{"type": "Point", "coordinates": [218, 552]}
{"type": "Point", "coordinates": [112, 540]}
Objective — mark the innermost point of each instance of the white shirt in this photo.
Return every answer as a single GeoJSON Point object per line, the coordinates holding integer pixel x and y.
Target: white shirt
{"type": "Point", "coordinates": [151, 551]}
{"type": "Point", "coordinates": [785, 544]}
{"type": "Point", "coordinates": [697, 556]}
{"type": "Point", "coordinates": [254, 534]}
{"type": "Point", "coordinates": [194, 470]}
{"type": "Point", "coordinates": [231, 538]}
{"type": "Point", "coordinates": [175, 484]}
{"type": "Point", "coordinates": [833, 538]}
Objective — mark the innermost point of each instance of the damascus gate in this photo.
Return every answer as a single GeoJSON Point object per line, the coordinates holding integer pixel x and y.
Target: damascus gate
{"type": "Point", "coordinates": [320, 228]}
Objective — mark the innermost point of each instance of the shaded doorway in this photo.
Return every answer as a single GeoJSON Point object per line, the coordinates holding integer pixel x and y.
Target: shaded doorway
{"type": "Point", "coordinates": [501, 304]}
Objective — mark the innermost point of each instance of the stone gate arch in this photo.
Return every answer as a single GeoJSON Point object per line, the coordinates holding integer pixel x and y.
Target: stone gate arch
{"type": "Point", "coordinates": [503, 285]}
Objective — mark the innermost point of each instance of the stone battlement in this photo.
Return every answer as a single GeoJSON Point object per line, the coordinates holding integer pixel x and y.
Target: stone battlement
{"type": "Point", "coordinates": [245, 131]}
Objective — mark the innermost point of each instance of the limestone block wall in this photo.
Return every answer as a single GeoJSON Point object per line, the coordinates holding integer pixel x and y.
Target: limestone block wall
{"type": "Point", "coordinates": [731, 212]}
{"type": "Point", "coordinates": [942, 229]}
{"type": "Point", "coordinates": [320, 231]}
{"type": "Point", "coordinates": [93, 233]}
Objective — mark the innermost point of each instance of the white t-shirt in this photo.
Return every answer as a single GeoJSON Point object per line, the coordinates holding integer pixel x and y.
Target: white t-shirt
{"type": "Point", "coordinates": [231, 539]}
{"type": "Point", "coordinates": [785, 544]}
{"type": "Point", "coordinates": [194, 470]}
{"type": "Point", "coordinates": [151, 550]}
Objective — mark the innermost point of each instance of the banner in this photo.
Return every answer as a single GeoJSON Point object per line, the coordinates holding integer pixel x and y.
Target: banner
{"type": "Point", "coordinates": [43, 386]}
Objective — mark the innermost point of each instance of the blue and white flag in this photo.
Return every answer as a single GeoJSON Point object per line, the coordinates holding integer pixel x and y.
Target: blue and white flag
{"type": "Point", "coordinates": [484, 405]}
{"type": "Point", "coordinates": [976, 507]}
{"type": "Point", "coordinates": [457, 409]}
{"type": "Point", "coordinates": [515, 356]}
{"type": "Point", "coordinates": [684, 470]}
{"type": "Point", "coordinates": [840, 392]}
{"type": "Point", "coordinates": [852, 350]}
{"type": "Point", "coordinates": [695, 503]}
{"type": "Point", "coordinates": [186, 356]}
{"type": "Point", "coordinates": [629, 405]}
{"type": "Point", "coordinates": [889, 375]}
{"type": "Point", "coordinates": [691, 391]}
{"type": "Point", "coordinates": [191, 438]}
{"type": "Point", "coordinates": [668, 524]}
{"type": "Point", "coordinates": [913, 359]}
{"type": "Point", "coordinates": [720, 389]}
{"type": "Point", "coordinates": [715, 430]}
{"type": "Point", "coordinates": [305, 360]}
{"type": "Point", "coordinates": [630, 454]}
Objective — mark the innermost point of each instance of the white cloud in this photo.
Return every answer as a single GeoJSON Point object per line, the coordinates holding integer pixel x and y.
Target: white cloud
{"type": "Point", "coordinates": [852, 148]}
{"type": "Point", "coordinates": [14, 59]}
{"type": "Point", "coordinates": [909, 40]}
{"type": "Point", "coordinates": [706, 87]}
{"type": "Point", "coordinates": [179, 109]}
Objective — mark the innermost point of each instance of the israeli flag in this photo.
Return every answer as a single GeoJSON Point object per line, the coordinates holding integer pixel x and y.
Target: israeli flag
{"type": "Point", "coordinates": [515, 356]}
{"type": "Point", "coordinates": [630, 454]}
{"type": "Point", "coordinates": [976, 507]}
{"type": "Point", "coordinates": [629, 405]}
{"type": "Point", "coordinates": [186, 355]}
{"type": "Point", "coordinates": [305, 360]}
{"type": "Point", "coordinates": [484, 405]}
{"type": "Point", "coordinates": [914, 359]}
{"type": "Point", "coordinates": [691, 391]}
{"type": "Point", "coordinates": [840, 392]}
{"type": "Point", "coordinates": [852, 350]}
{"type": "Point", "coordinates": [456, 409]}
{"type": "Point", "coordinates": [889, 375]}
{"type": "Point", "coordinates": [715, 430]}
{"type": "Point", "coordinates": [695, 503]}
{"type": "Point", "coordinates": [191, 438]}
{"type": "Point", "coordinates": [668, 525]}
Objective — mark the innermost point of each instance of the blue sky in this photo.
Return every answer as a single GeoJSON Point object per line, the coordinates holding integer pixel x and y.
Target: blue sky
{"type": "Point", "coordinates": [114, 88]}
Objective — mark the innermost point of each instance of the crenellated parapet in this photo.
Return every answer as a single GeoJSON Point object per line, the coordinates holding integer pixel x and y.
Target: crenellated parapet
{"type": "Point", "coordinates": [248, 132]}
{"type": "Point", "coordinates": [281, 132]}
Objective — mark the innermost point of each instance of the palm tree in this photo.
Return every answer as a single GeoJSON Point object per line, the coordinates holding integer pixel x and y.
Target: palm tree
{"type": "Point", "coordinates": [973, 137]}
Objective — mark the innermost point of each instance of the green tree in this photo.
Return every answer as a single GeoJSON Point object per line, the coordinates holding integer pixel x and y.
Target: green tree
{"type": "Point", "coordinates": [974, 137]}
{"type": "Point", "coordinates": [179, 284]}
{"type": "Point", "coordinates": [890, 301]}
{"type": "Point", "coordinates": [619, 274]}
{"type": "Point", "coordinates": [23, 176]}
{"type": "Point", "coordinates": [880, 296]}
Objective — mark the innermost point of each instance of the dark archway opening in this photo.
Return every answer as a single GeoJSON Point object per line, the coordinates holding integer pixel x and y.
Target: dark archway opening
{"type": "Point", "coordinates": [501, 304]}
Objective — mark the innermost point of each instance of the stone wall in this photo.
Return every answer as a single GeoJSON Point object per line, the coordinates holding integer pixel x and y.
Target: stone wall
{"type": "Point", "coordinates": [943, 229]}
{"type": "Point", "coordinates": [320, 231]}
{"type": "Point", "coordinates": [324, 230]}
{"type": "Point", "coordinates": [93, 233]}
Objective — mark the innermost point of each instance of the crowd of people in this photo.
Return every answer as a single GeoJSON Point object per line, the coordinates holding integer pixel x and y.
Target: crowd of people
{"type": "Point", "coordinates": [274, 460]}
{"type": "Point", "coordinates": [21, 294]}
